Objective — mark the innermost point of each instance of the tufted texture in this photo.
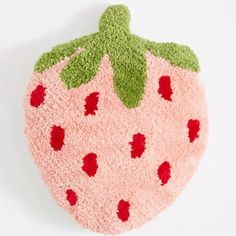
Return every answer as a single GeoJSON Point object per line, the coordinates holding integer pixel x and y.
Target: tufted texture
{"type": "Point", "coordinates": [110, 166]}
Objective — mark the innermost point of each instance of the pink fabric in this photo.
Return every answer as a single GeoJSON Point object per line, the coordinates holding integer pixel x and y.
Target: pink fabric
{"type": "Point", "coordinates": [108, 134]}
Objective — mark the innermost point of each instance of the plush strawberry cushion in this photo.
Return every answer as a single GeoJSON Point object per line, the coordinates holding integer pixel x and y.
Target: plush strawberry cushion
{"type": "Point", "coordinates": [116, 124]}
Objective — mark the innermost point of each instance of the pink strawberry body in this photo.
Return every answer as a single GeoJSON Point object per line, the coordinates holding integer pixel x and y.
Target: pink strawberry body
{"type": "Point", "coordinates": [92, 169]}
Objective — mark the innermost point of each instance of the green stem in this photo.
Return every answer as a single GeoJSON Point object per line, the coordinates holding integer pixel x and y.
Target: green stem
{"type": "Point", "coordinates": [115, 17]}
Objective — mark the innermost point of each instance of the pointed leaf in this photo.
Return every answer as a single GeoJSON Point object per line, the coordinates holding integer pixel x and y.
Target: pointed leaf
{"type": "Point", "coordinates": [177, 55]}
{"type": "Point", "coordinates": [83, 67]}
{"type": "Point", "coordinates": [59, 52]}
{"type": "Point", "coordinates": [129, 68]}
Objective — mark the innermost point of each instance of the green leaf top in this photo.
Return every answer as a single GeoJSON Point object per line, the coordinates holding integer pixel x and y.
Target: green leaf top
{"type": "Point", "coordinates": [126, 52]}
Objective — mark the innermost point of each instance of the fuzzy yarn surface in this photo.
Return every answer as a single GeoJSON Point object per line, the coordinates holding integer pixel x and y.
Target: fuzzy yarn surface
{"type": "Point", "coordinates": [116, 124]}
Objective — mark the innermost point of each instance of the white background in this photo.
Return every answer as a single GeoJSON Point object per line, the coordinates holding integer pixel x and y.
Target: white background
{"type": "Point", "coordinates": [28, 28]}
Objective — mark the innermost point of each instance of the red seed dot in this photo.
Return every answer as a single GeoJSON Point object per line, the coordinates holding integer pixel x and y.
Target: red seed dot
{"type": "Point", "coordinates": [193, 129]}
{"type": "Point", "coordinates": [137, 145]}
{"type": "Point", "coordinates": [71, 197]}
{"type": "Point", "coordinates": [164, 172]}
{"type": "Point", "coordinates": [165, 89]}
{"type": "Point", "coordinates": [37, 96]}
{"type": "Point", "coordinates": [90, 164]}
{"type": "Point", "coordinates": [123, 210]}
{"type": "Point", "coordinates": [91, 102]}
{"type": "Point", "coordinates": [57, 137]}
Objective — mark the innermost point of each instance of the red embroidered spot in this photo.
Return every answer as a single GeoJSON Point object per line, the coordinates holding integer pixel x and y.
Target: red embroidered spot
{"type": "Point", "coordinates": [123, 210]}
{"type": "Point", "coordinates": [90, 164]}
{"type": "Point", "coordinates": [164, 172]}
{"type": "Point", "coordinates": [71, 197]}
{"type": "Point", "coordinates": [165, 89]}
{"type": "Point", "coordinates": [37, 96]}
{"type": "Point", "coordinates": [91, 102]}
{"type": "Point", "coordinates": [137, 145]}
{"type": "Point", "coordinates": [193, 129]}
{"type": "Point", "coordinates": [57, 137]}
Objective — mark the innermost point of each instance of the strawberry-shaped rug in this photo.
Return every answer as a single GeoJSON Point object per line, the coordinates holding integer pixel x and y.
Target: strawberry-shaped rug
{"type": "Point", "coordinates": [116, 124]}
